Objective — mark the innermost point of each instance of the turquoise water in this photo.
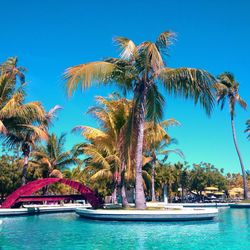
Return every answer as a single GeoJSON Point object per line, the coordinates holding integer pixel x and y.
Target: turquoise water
{"type": "Point", "coordinates": [67, 231]}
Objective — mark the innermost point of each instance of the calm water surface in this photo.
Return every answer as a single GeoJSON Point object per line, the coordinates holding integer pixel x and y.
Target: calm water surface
{"type": "Point", "coordinates": [67, 231]}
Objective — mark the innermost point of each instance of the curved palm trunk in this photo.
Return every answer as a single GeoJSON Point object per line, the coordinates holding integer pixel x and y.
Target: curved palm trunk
{"type": "Point", "coordinates": [140, 202]}
{"type": "Point", "coordinates": [240, 159]}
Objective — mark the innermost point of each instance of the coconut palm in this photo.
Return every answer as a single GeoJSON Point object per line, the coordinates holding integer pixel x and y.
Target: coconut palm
{"type": "Point", "coordinates": [105, 148]}
{"type": "Point", "coordinates": [52, 157]}
{"type": "Point", "coordinates": [102, 168]}
{"type": "Point", "coordinates": [248, 129]}
{"type": "Point", "coordinates": [228, 91]}
{"type": "Point", "coordinates": [141, 68]}
{"type": "Point", "coordinates": [20, 123]}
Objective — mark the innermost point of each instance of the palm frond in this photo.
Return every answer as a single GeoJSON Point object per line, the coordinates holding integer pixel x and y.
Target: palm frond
{"type": "Point", "coordinates": [96, 156]}
{"type": "Point", "coordinates": [127, 47]}
{"type": "Point", "coordinates": [146, 160]}
{"type": "Point", "coordinates": [56, 174]}
{"type": "Point", "coordinates": [36, 131]}
{"type": "Point", "coordinates": [101, 174]}
{"type": "Point", "coordinates": [248, 129]}
{"type": "Point", "coordinates": [189, 83]}
{"type": "Point", "coordinates": [51, 114]}
{"type": "Point", "coordinates": [164, 40]}
{"type": "Point", "coordinates": [150, 55]}
{"type": "Point", "coordinates": [242, 103]}
{"type": "Point", "coordinates": [89, 133]}
{"type": "Point", "coordinates": [87, 74]}
{"type": "Point", "coordinates": [171, 151]}
{"type": "Point", "coordinates": [169, 122]}
{"type": "Point", "coordinates": [154, 104]}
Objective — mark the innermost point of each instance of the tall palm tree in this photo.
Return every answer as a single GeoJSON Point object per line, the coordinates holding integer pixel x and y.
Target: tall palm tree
{"type": "Point", "coordinates": [228, 91]}
{"type": "Point", "coordinates": [248, 129]}
{"type": "Point", "coordinates": [140, 69]}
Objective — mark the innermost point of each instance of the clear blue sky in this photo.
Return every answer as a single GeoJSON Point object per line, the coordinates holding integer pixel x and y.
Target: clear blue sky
{"type": "Point", "coordinates": [50, 35]}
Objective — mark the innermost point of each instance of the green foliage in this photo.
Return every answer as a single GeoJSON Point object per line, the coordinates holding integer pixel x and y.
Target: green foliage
{"type": "Point", "coordinates": [141, 68]}
{"type": "Point", "coordinates": [195, 178]}
{"type": "Point", "coordinates": [18, 120]}
{"type": "Point", "coordinates": [248, 129]}
{"type": "Point", "coordinates": [205, 175]}
{"type": "Point", "coordinates": [104, 148]}
{"type": "Point", "coordinates": [10, 175]}
{"type": "Point", "coordinates": [50, 158]}
{"type": "Point", "coordinates": [228, 90]}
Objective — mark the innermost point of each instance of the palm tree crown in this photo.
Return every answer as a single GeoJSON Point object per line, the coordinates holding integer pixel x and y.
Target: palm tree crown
{"type": "Point", "coordinates": [52, 155]}
{"type": "Point", "coordinates": [228, 89]}
{"type": "Point", "coordinates": [248, 129]}
{"type": "Point", "coordinates": [15, 115]}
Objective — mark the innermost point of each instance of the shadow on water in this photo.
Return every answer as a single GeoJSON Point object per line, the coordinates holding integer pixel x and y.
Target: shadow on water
{"type": "Point", "coordinates": [148, 223]}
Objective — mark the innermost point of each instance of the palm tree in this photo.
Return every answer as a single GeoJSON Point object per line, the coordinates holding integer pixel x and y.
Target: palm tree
{"type": "Point", "coordinates": [141, 68]}
{"type": "Point", "coordinates": [102, 168]}
{"type": "Point", "coordinates": [228, 90]}
{"type": "Point", "coordinates": [105, 149]}
{"type": "Point", "coordinates": [156, 139]}
{"type": "Point", "coordinates": [248, 128]}
{"type": "Point", "coordinates": [20, 123]}
{"type": "Point", "coordinates": [52, 155]}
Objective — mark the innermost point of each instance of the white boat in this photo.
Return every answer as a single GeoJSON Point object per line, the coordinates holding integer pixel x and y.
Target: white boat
{"type": "Point", "coordinates": [184, 214]}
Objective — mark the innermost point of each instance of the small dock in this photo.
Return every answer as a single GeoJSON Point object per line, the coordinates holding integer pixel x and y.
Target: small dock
{"type": "Point", "coordinates": [40, 209]}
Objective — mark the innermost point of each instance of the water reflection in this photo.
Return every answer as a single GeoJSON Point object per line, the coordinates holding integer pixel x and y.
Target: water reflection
{"type": "Point", "coordinates": [67, 231]}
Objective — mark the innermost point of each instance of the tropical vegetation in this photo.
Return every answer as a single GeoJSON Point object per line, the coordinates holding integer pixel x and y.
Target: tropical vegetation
{"type": "Point", "coordinates": [248, 129]}
{"type": "Point", "coordinates": [126, 156]}
{"type": "Point", "coordinates": [140, 69]}
{"type": "Point", "coordinates": [21, 124]}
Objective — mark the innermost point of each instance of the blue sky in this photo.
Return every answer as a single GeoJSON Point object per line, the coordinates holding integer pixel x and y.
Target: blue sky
{"type": "Point", "coordinates": [50, 35]}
